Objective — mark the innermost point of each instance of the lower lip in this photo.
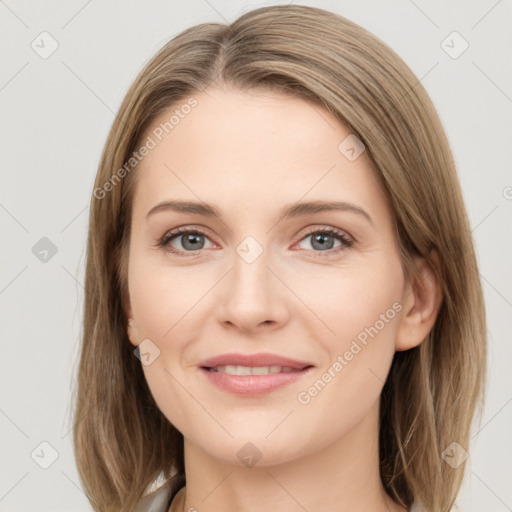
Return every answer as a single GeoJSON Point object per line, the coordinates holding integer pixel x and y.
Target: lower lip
{"type": "Point", "coordinates": [254, 385]}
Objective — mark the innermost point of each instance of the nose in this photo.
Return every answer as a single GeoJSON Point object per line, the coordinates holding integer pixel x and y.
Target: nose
{"type": "Point", "coordinates": [253, 296]}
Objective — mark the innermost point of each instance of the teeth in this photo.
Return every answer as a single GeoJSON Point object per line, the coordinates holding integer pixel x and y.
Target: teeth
{"type": "Point", "coordinates": [251, 370]}
{"type": "Point", "coordinates": [241, 370]}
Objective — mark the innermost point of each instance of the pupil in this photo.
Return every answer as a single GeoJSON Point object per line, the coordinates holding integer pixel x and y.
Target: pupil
{"type": "Point", "coordinates": [320, 239]}
{"type": "Point", "coordinates": [191, 240]}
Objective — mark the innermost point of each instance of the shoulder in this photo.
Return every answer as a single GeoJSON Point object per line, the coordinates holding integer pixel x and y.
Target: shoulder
{"type": "Point", "coordinates": [159, 500]}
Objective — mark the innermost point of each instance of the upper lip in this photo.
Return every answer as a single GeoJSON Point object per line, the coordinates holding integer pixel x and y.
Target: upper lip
{"type": "Point", "coordinates": [253, 360]}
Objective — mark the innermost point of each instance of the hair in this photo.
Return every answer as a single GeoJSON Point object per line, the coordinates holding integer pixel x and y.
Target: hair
{"type": "Point", "coordinates": [123, 443]}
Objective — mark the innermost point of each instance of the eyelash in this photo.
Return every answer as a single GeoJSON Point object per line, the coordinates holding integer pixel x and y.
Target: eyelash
{"type": "Point", "coordinates": [340, 235]}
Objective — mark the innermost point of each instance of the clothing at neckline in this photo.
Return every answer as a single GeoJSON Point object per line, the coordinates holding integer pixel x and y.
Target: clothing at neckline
{"type": "Point", "coordinates": [170, 497]}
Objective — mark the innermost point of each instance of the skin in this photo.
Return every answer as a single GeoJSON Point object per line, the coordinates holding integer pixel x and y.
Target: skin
{"type": "Point", "coordinates": [249, 154]}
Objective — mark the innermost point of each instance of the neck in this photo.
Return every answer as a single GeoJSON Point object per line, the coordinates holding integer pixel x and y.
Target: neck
{"type": "Point", "coordinates": [342, 476]}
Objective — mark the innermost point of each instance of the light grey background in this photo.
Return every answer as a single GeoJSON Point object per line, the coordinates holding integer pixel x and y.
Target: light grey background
{"type": "Point", "coordinates": [56, 113]}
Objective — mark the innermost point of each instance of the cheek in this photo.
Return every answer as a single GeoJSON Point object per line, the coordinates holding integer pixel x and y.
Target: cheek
{"type": "Point", "coordinates": [361, 308]}
{"type": "Point", "coordinates": [351, 301]}
{"type": "Point", "coordinates": [167, 305]}
{"type": "Point", "coordinates": [161, 298]}
{"type": "Point", "coordinates": [364, 311]}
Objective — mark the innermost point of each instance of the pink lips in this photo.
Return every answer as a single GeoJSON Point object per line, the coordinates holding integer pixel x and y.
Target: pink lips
{"type": "Point", "coordinates": [253, 385]}
{"type": "Point", "coordinates": [262, 359]}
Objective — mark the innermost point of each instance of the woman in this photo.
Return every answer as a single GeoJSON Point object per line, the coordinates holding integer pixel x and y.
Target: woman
{"type": "Point", "coordinates": [282, 302]}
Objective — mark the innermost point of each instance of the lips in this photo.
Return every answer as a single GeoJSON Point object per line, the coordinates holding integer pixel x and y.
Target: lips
{"type": "Point", "coordinates": [253, 375]}
{"type": "Point", "coordinates": [254, 360]}
{"type": "Point", "coordinates": [252, 370]}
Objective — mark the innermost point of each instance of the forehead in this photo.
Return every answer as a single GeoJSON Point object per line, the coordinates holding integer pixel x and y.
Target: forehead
{"type": "Point", "coordinates": [258, 148]}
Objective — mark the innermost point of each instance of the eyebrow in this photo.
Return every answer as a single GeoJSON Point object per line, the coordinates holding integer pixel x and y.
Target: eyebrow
{"type": "Point", "coordinates": [289, 211]}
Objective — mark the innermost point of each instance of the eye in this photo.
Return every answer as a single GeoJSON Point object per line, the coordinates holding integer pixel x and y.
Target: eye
{"type": "Point", "coordinates": [323, 240]}
{"type": "Point", "coordinates": [190, 240]}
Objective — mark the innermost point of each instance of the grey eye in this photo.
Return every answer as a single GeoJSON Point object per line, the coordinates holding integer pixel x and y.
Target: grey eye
{"type": "Point", "coordinates": [322, 241]}
{"type": "Point", "coordinates": [192, 241]}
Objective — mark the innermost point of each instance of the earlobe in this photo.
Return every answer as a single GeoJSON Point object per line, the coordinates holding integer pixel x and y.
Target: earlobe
{"type": "Point", "coordinates": [133, 332]}
{"type": "Point", "coordinates": [131, 329]}
{"type": "Point", "coordinates": [422, 301]}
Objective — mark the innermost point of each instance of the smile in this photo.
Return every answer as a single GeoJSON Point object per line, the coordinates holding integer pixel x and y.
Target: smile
{"type": "Point", "coordinates": [252, 370]}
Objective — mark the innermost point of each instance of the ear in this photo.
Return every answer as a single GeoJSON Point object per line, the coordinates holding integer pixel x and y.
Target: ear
{"type": "Point", "coordinates": [131, 328]}
{"type": "Point", "coordinates": [422, 300]}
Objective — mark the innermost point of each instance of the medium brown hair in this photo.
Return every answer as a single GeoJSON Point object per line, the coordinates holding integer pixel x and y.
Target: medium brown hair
{"type": "Point", "coordinates": [122, 441]}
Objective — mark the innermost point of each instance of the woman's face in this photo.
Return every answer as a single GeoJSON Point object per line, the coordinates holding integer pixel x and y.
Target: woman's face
{"type": "Point", "coordinates": [322, 287]}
